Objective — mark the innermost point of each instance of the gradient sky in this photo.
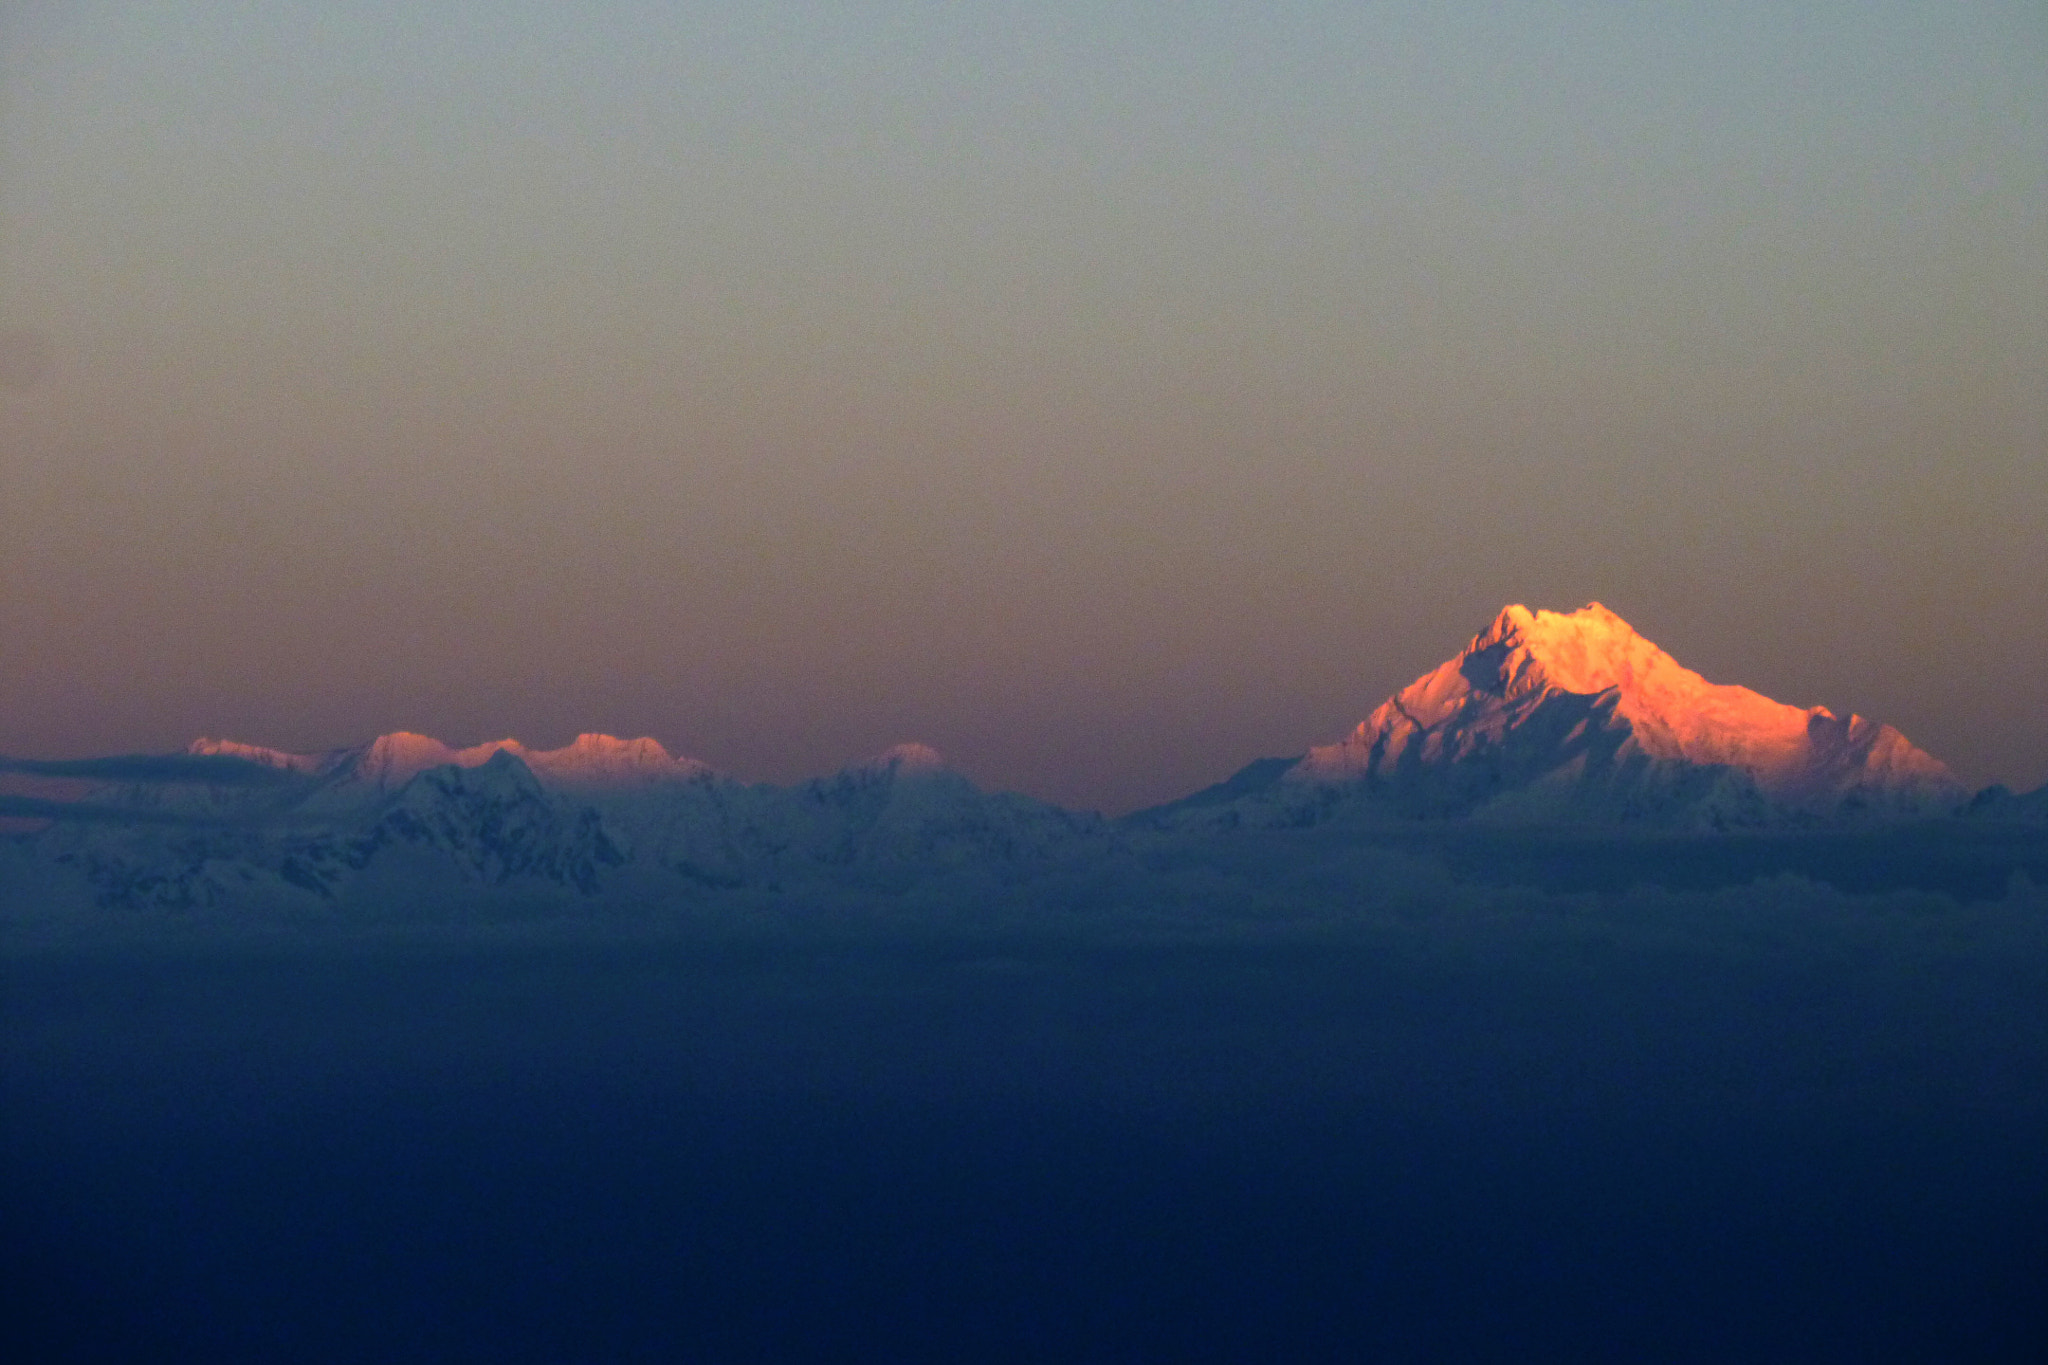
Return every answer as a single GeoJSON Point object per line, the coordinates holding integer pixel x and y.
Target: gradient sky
{"type": "Point", "coordinates": [1106, 395]}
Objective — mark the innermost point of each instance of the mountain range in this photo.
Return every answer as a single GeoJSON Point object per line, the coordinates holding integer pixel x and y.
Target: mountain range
{"type": "Point", "coordinates": [1544, 720]}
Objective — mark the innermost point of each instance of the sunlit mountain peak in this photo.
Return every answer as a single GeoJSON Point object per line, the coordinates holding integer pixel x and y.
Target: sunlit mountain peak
{"type": "Point", "coordinates": [391, 760]}
{"type": "Point", "coordinates": [910, 758]}
{"type": "Point", "coordinates": [1537, 690]}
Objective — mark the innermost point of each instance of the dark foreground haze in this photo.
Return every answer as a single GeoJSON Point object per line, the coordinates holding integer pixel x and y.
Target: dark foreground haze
{"type": "Point", "coordinates": [1773, 1121]}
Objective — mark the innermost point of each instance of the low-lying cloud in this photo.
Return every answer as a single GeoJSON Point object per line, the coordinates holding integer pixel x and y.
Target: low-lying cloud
{"type": "Point", "coordinates": [213, 769]}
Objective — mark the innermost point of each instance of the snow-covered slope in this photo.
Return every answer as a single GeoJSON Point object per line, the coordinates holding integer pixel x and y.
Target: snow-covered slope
{"type": "Point", "coordinates": [592, 762]}
{"type": "Point", "coordinates": [906, 806]}
{"type": "Point", "coordinates": [1554, 716]}
{"type": "Point", "coordinates": [405, 810]}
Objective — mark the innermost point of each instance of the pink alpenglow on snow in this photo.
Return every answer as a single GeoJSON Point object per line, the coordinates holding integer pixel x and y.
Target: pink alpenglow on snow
{"type": "Point", "coordinates": [1547, 698]}
{"type": "Point", "coordinates": [390, 761]}
{"type": "Point", "coordinates": [908, 759]}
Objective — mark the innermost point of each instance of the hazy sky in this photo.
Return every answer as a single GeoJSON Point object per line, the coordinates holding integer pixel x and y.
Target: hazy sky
{"type": "Point", "coordinates": [1107, 395]}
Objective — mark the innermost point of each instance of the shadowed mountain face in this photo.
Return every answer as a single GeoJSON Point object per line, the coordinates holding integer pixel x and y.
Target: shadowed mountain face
{"type": "Point", "coordinates": [1573, 717]}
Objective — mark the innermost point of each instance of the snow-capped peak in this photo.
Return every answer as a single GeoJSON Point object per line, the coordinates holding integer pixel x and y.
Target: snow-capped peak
{"type": "Point", "coordinates": [393, 760]}
{"type": "Point", "coordinates": [911, 759]}
{"type": "Point", "coordinates": [1591, 668]}
{"type": "Point", "coordinates": [1677, 713]}
{"type": "Point", "coordinates": [254, 753]}
{"type": "Point", "coordinates": [390, 761]}
{"type": "Point", "coordinates": [599, 760]}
